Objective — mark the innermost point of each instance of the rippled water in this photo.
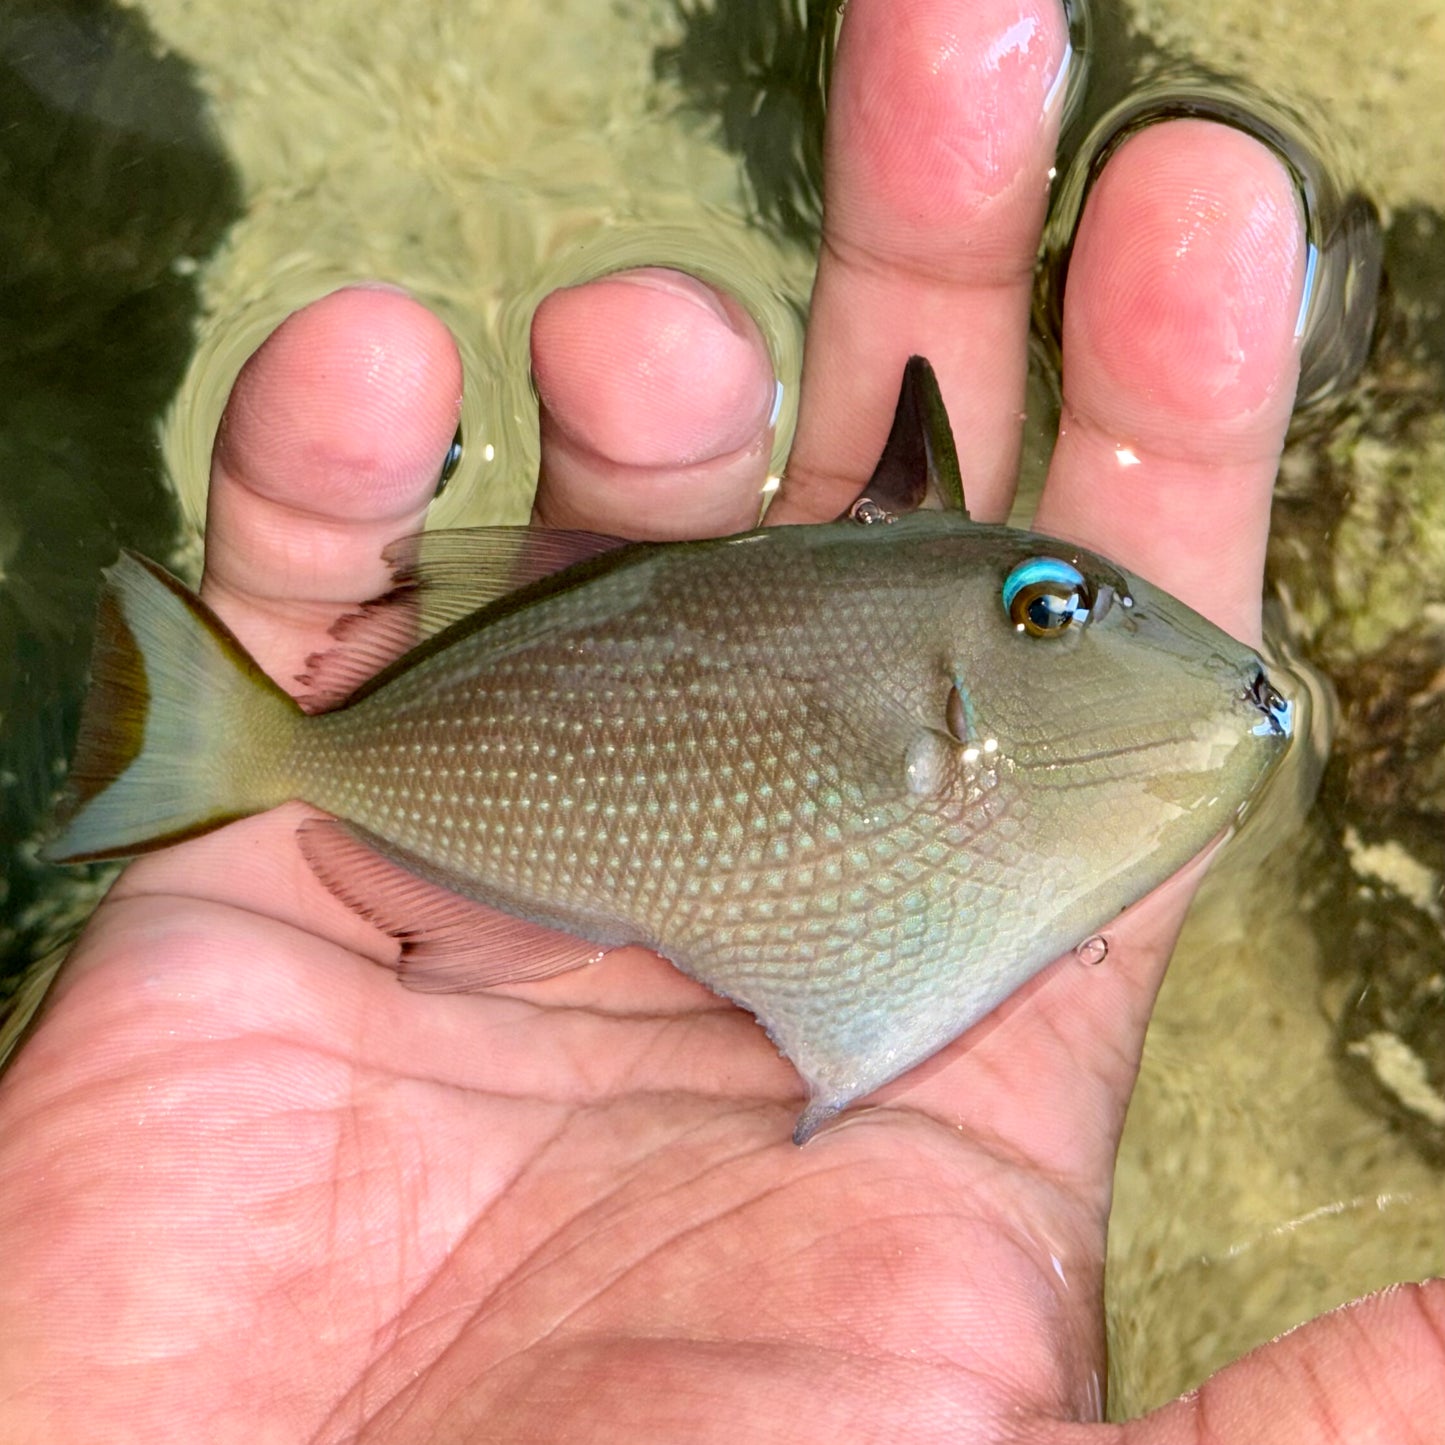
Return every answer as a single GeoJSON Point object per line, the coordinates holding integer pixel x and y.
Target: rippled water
{"type": "Point", "coordinates": [192, 173]}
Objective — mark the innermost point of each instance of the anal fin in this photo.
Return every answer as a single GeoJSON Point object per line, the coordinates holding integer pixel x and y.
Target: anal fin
{"type": "Point", "coordinates": [449, 944]}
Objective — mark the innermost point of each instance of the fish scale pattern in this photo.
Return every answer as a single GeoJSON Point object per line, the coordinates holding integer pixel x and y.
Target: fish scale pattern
{"type": "Point", "coordinates": [706, 749]}
{"type": "Point", "coordinates": [648, 769]}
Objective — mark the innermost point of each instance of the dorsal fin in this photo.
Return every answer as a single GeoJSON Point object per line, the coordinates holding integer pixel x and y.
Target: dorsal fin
{"type": "Point", "coordinates": [437, 579]}
{"type": "Point", "coordinates": [919, 464]}
{"type": "Point", "coordinates": [463, 569]}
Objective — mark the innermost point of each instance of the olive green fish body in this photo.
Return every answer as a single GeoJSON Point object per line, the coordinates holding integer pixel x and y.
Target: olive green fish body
{"type": "Point", "coordinates": [865, 780]}
{"type": "Point", "coordinates": [822, 769]}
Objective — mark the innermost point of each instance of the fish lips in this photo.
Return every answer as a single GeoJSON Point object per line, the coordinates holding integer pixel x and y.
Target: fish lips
{"type": "Point", "coordinates": [1277, 712]}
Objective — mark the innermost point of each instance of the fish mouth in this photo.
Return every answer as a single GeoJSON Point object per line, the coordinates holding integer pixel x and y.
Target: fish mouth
{"type": "Point", "coordinates": [1277, 711]}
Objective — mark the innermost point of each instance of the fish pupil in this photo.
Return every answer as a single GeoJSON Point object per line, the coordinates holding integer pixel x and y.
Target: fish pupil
{"type": "Point", "coordinates": [1048, 612]}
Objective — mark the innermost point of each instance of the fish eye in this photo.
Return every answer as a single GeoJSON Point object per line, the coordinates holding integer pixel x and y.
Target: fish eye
{"type": "Point", "coordinates": [1045, 596]}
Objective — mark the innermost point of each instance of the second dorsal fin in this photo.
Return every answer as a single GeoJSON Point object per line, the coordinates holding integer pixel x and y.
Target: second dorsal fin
{"type": "Point", "coordinates": [437, 579]}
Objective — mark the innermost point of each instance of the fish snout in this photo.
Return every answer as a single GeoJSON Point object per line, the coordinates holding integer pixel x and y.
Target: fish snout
{"type": "Point", "coordinates": [1276, 711]}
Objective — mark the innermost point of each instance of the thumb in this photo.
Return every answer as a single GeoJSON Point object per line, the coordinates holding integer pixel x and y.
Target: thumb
{"type": "Point", "coordinates": [1370, 1373]}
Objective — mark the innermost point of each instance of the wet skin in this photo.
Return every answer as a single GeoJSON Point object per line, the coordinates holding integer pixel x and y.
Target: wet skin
{"type": "Point", "coordinates": [252, 1189]}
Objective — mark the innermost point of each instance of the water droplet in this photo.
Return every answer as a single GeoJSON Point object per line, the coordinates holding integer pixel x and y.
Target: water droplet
{"type": "Point", "coordinates": [1093, 951]}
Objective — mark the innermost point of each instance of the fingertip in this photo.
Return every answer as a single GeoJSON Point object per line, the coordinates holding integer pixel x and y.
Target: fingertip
{"type": "Point", "coordinates": [940, 112]}
{"type": "Point", "coordinates": [346, 410]}
{"type": "Point", "coordinates": [1181, 360]}
{"type": "Point", "coordinates": [657, 397]}
{"type": "Point", "coordinates": [650, 368]}
{"type": "Point", "coordinates": [1184, 291]}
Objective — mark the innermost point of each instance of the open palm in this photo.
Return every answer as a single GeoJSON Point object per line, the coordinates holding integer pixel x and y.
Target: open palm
{"type": "Point", "coordinates": [252, 1189]}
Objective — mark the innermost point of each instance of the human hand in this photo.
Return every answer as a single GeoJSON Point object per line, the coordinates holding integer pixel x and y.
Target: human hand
{"type": "Point", "coordinates": [252, 1189]}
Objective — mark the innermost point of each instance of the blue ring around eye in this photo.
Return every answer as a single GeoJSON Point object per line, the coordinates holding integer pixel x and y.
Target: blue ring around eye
{"type": "Point", "coordinates": [1040, 569]}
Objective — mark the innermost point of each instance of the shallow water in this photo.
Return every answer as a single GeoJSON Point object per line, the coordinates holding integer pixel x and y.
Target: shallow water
{"type": "Point", "coordinates": [482, 153]}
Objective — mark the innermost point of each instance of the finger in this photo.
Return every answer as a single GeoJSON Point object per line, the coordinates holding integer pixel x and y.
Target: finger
{"type": "Point", "coordinates": [657, 399]}
{"type": "Point", "coordinates": [941, 131]}
{"type": "Point", "coordinates": [1180, 364]}
{"type": "Point", "coordinates": [1374, 1370]}
{"type": "Point", "coordinates": [330, 447]}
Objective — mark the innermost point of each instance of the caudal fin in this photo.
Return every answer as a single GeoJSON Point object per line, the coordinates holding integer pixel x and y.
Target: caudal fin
{"type": "Point", "coordinates": [181, 731]}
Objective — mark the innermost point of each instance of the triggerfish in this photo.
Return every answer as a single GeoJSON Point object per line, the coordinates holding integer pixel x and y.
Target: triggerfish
{"type": "Point", "coordinates": [863, 778]}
